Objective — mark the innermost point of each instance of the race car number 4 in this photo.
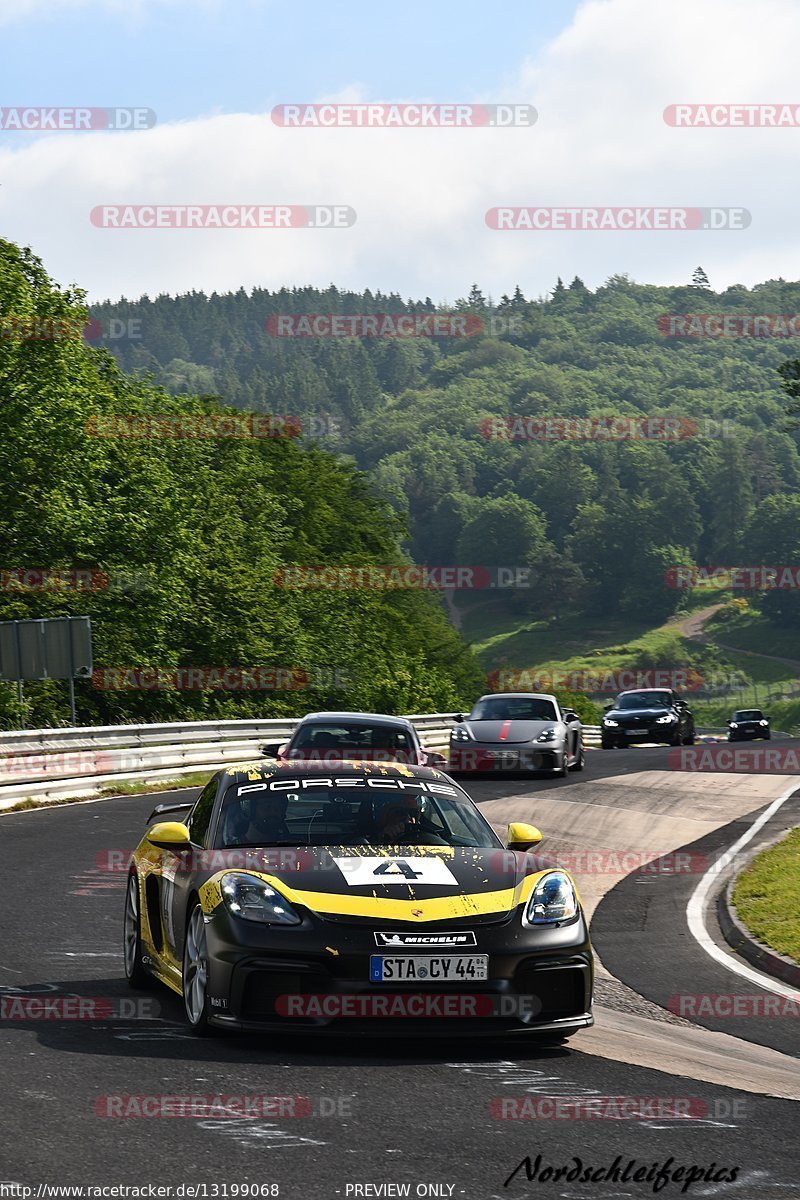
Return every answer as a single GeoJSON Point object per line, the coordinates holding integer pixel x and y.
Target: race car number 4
{"type": "Point", "coordinates": [418, 968]}
{"type": "Point", "coordinates": [400, 870]}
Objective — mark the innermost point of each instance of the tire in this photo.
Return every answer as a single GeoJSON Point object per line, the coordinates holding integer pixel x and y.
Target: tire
{"type": "Point", "coordinates": [606, 745]}
{"type": "Point", "coordinates": [135, 971]}
{"type": "Point", "coordinates": [689, 739]}
{"type": "Point", "coordinates": [562, 771]}
{"type": "Point", "coordinates": [195, 974]}
{"type": "Point", "coordinates": [580, 761]}
{"type": "Point", "coordinates": [676, 739]}
{"type": "Point", "coordinates": [767, 737]}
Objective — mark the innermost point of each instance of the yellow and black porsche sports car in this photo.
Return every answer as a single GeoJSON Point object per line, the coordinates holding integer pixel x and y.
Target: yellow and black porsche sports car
{"type": "Point", "coordinates": [364, 896]}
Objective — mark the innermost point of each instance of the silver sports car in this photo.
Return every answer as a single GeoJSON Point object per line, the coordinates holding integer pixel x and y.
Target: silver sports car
{"type": "Point", "coordinates": [517, 731]}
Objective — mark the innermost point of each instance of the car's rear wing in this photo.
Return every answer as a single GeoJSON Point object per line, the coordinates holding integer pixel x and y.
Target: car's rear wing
{"type": "Point", "coordinates": [160, 809]}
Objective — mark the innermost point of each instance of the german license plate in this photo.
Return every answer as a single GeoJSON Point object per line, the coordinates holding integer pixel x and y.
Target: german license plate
{"type": "Point", "coordinates": [418, 968]}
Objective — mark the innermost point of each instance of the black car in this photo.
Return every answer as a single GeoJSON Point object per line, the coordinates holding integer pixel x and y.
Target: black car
{"type": "Point", "coordinates": [747, 724]}
{"type": "Point", "coordinates": [647, 715]}
{"type": "Point", "coordinates": [366, 897]}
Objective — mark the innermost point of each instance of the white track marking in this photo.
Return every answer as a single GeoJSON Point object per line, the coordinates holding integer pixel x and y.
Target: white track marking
{"type": "Point", "coordinates": [695, 910]}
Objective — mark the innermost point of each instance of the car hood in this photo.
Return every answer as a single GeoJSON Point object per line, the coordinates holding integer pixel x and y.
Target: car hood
{"type": "Point", "coordinates": [400, 883]}
{"type": "Point", "coordinates": [503, 732]}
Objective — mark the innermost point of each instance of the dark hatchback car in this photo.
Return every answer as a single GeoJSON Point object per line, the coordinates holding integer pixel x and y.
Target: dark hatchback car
{"type": "Point", "coordinates": [647, 715]}
{"type": "Point", "coordinates": [746, 724]}
{"type": "Point", "coordinates": [330, 737]}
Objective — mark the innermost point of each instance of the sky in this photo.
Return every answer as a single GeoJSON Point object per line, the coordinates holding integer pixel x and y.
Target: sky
{"type": "Point", "coordinates": [598, 72]}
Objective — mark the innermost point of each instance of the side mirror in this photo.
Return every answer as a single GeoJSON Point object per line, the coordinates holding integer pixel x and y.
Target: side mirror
{"type": "Point", "coordinates": [169, 835]}
{"type": "Point", "coordinates": [570, 716]}
{"type": "Point", "coordinates": [521, 836]}
{"type": "Point", "coordinates": [434, 759]}
{"type": "Point", "coordinates": [274, 749]}
{"type": "Point", "coordinates": [609, 704]}
{"type": "Point", "coordinates": [459, 717]}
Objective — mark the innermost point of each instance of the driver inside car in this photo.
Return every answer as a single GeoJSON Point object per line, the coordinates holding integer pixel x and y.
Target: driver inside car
{"type": "Point", "coordinates": [257, 821]}
{"type": "Point", "coordinates": [402, 822]}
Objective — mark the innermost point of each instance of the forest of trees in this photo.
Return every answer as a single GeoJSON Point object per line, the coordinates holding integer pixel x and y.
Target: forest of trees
{"type": "Point", "coordinates": [597, 522]}
{"type": "Point", "coordinates": [181, 539]}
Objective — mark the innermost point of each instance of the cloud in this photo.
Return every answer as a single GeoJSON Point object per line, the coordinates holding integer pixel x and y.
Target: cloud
{"type": "Point", "coordinates": [600, 89]}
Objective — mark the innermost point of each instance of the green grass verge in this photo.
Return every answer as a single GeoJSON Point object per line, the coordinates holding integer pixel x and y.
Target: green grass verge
{"type": "Point", "coordinates": [767, 896]}
{"type": "Point", "coordinates": [752, 632]}
{"type": "Point", "coordinates": [136, 787]}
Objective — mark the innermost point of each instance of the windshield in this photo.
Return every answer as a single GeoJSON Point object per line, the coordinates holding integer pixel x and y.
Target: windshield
{"type": "Point", "coordinates": [645, 700]}
{"type": "Point", "coordinates": [351, 812]}
{"type": "Point", "coordinates": [331, 740]}
{"type": "Point", "coordinates": [514, 708]}
{"type": "Point", "coordinates": [749, 714]}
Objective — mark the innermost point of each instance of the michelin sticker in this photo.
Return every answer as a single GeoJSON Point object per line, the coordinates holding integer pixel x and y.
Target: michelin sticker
{"type": "Point", "coordinates": [361, 872]}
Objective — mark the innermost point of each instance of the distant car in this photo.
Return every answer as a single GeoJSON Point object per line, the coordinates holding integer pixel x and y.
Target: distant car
{"type": "Point", "coordinates": [359, 737]}
{"type": "Point", "coordinates": [509, 731]}
{"type": "Point", "coordinates": [747, 724]}
{"type": "Point", "coordinates": [647, 715]}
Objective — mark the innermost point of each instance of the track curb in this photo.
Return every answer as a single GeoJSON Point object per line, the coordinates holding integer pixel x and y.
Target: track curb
{"type": "Point", "coordinates": [739, 937]}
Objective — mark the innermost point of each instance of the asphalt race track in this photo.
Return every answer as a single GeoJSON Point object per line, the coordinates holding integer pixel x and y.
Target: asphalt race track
{"type": "Point", "coordinates": [470, 1112]}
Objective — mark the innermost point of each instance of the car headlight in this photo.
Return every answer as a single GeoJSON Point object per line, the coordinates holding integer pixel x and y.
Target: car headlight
{"type": "Point", "coordinates": [734, 724]}
{"type": "Point", "coordinates": [251, 898]}
{"type": "Point", "coordinates": [608, 721]}
{"type": "Point", "coordinates": [460, 734]}
{"type": "Point", "coordinates": [553, 901]}
{"type": "Point", "coordinates": [666, 720]}
{"type": "Point", "coordinates": [763, 722]}
{"type": "Point", "coordinates": [547, 735]}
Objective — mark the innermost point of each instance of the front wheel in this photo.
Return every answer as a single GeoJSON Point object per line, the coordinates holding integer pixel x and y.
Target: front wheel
{"type": "Point", "coordinates": [135, 973]}
{"type": "Point", "coordinates": [561, 772]}
{"type": "Point", "coordinates": [195, 974]}
{"type": "Point", "coordinates": [580, 761]}
{"type": "Point", "coordinates": [689, 740]}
